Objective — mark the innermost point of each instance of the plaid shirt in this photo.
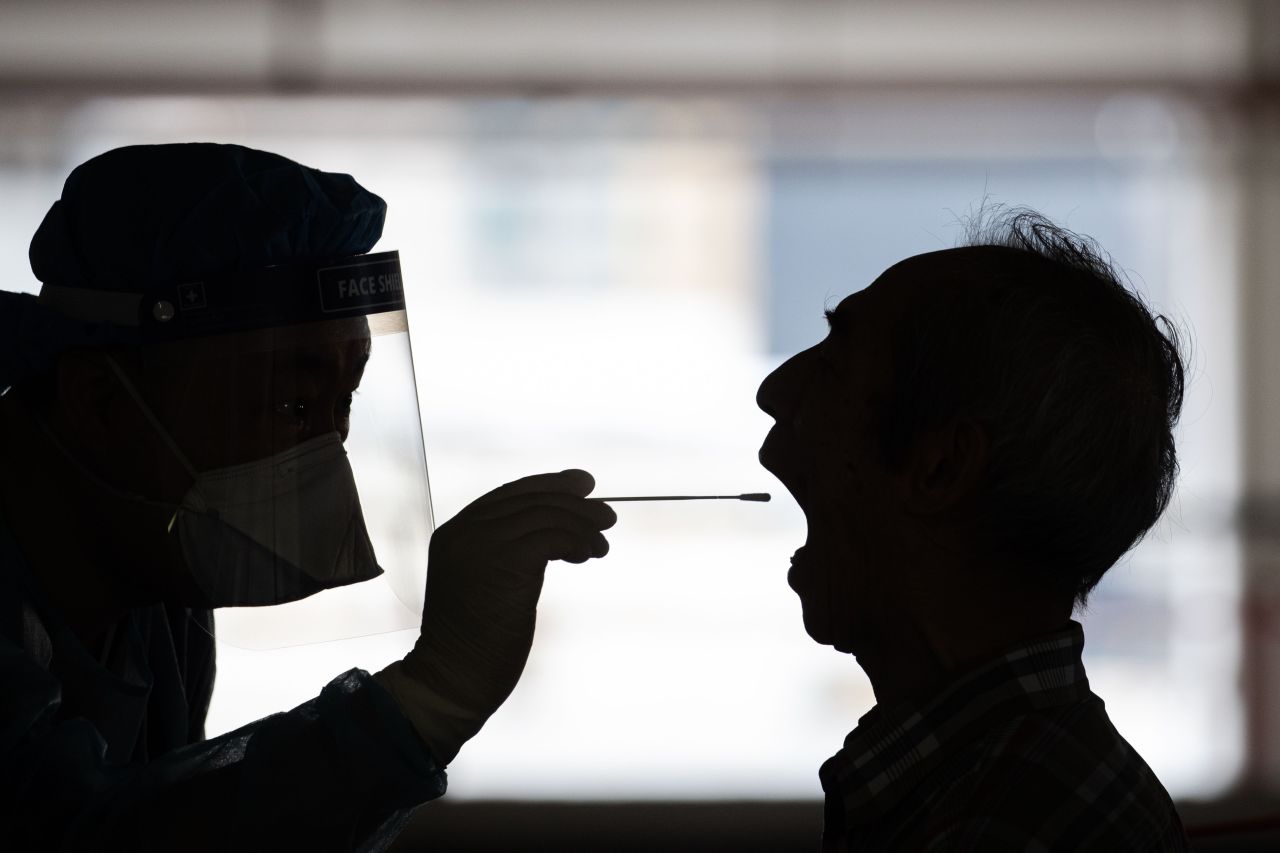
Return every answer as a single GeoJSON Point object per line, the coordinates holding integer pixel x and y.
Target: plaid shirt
{"type": "Point", "coordinates": [1016, 754]}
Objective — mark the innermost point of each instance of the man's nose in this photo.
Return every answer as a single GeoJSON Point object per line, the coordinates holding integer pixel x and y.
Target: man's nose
{"type": "Point", "coordinates": [781, 389]}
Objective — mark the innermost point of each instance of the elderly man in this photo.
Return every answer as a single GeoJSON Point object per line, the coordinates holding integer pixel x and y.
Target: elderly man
{"type": "Point", "coordinates": [981, 435]}
{"type": "Point", "coordinates": [177, 407]}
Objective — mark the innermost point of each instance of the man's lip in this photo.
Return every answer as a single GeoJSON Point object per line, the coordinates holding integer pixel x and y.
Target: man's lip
{"type": "Point", "coordinates": [768, 450]}
{"type": "Point", "coordinates": [796, 561]}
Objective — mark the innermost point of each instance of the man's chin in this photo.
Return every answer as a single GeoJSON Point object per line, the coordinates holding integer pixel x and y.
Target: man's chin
{"type": "Point", "coordinates": [821, 632]}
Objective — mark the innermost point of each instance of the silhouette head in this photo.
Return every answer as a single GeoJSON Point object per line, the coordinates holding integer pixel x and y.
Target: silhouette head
{"type": "Point", "coordinates": [157, 215]}
{"type": "Point", "coordinates": [987, 423]}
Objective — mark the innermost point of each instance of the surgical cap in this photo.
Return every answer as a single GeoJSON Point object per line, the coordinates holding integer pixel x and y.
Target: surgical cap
{"type": "Point", "coordinates": [161, 214]}
{"type": "Point", "coordinates": [150, 215]}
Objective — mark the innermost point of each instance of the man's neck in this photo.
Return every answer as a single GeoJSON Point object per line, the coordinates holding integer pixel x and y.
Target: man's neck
{"type": "Point", "coordinates": [917, 656]}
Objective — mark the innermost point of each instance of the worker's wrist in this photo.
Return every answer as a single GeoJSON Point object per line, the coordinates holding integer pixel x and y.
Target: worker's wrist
{"type": "Point", "coordinates": [442, 723]}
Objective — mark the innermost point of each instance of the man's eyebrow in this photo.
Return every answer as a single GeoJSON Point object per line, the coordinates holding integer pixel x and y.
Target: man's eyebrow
{"type": "Point", "coordinates": [837, 322]}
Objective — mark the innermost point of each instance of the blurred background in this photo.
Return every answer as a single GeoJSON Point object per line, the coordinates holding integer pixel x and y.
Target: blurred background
{"type": "Point", "coordinates": [615, 218]}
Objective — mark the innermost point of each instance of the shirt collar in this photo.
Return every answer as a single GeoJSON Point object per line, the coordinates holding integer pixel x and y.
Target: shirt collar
{"type": "Point", "coordinates": [895, 747]}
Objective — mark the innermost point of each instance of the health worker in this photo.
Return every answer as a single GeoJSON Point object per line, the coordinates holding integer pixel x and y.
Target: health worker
{"type": "Point", "coordinates": [214, 374]}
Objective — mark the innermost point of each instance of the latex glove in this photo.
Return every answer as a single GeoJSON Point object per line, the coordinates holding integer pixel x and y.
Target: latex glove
{"type": "Point", "coordinates": [484, 576]}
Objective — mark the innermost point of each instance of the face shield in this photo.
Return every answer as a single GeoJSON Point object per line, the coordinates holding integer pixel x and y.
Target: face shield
{"type": "Point", "coordinates": [285, 411]}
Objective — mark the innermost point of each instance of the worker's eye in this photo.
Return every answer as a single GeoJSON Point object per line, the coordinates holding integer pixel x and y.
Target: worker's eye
{"type": "Point", "coordinates": [295, 412]}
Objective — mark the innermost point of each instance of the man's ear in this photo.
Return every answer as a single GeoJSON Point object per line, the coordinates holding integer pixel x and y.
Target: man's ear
{"type": "Point", "coordinates": [946, 466]}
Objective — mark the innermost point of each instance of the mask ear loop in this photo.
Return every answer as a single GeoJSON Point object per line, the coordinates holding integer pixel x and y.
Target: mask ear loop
{"type": "Point", "coordinates": [150, 416]}
{"type": "Point", "coordinates": [156, 425]}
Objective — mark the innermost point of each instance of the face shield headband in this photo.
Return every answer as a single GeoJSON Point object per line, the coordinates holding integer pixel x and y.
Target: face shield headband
{"type": "Point", "coordinates": [270, 297]}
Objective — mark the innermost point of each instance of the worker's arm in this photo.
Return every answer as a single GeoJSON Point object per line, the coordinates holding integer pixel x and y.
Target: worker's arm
{"type": "Point", "coordinates": [327, 776]}
{"type": "Point", "coordinates": [340, 770]}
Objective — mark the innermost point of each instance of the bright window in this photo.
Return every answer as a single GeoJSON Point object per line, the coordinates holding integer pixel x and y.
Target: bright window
{"type": "Point", "coordinates": [603, 284]}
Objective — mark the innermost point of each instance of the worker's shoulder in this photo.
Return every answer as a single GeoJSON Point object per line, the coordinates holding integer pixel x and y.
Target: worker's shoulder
{"type": "Point", "coordinates": [1064, 776]}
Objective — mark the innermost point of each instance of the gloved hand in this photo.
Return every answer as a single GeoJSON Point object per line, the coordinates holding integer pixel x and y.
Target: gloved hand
{"type": "Point", "coordinates": [484, 577]}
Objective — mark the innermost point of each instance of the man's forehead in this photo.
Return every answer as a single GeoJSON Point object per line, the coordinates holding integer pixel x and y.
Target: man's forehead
{"type": "Point", "coordinates": [915, 278]}
{"type": "Point", "coordinates": [943, 267]}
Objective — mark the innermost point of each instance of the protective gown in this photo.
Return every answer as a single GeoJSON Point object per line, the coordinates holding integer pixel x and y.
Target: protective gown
{"type": "Point", "coordinates": [110, 754]}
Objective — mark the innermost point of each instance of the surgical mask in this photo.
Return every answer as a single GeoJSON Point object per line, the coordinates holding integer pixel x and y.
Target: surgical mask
{"type": "Point", "coordinates": [272, 530]}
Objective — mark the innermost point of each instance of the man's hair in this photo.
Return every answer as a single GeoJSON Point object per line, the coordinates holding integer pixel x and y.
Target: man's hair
{"type": "Point", "coordinates": [1077, 385]}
